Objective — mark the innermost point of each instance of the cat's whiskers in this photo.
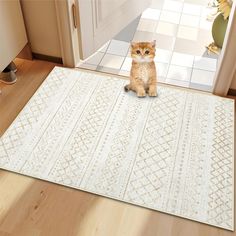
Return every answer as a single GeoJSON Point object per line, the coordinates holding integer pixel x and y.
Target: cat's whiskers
{"type": "Point", "coordinates": [142, 59]}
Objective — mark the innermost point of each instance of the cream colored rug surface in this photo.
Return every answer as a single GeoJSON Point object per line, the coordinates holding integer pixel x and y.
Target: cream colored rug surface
{"type": "Point", "coordinates": [173, 153]}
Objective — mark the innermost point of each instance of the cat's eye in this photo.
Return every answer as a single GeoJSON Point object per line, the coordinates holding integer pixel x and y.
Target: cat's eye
{"type": "Point", "coordinates": [146, 52]}
{"type": "Point", "coordinates": [138, 52]}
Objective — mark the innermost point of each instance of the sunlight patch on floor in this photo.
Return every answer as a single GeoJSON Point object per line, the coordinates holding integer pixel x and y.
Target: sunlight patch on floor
{"type": "Point", "coordinates": [182, 30]}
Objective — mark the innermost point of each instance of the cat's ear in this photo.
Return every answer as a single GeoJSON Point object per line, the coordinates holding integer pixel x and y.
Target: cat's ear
{"type": "Point", "coordinates": [153, 43]}
{"type": "Point", "coordinates": [133, 44]}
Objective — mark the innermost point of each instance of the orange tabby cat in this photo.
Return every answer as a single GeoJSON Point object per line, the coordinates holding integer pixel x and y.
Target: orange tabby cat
{"type": "Point", "coordinates": [143, 77]}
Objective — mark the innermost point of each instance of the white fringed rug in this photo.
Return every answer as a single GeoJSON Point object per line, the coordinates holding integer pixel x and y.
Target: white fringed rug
{"type": "Point", "coordinates": [173, 153]}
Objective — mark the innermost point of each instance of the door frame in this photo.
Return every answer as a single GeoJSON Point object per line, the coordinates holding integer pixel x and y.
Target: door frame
{"type": "Point", "coordinates": [226, 68]}
{"type": "Point", "coordinates": [70, 47]}
{"type": "Point", "coordinates": [68, 33]}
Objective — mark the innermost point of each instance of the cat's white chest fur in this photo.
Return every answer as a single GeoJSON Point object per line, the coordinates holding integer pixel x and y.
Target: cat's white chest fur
{"type": "Point", "coordinates": [143, 72]}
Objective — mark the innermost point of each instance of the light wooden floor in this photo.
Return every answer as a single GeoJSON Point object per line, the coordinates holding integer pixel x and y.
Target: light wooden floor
{"type": "Point", "coordinates": [30, 207]}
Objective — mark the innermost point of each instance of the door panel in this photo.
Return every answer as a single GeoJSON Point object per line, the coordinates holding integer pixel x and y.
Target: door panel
{"type": "Point", "coordinates": [100, 20]}
{"type": "Point", "coordinates": [107, 8]}
{"type": "Point", "coordinates": [12, 31]}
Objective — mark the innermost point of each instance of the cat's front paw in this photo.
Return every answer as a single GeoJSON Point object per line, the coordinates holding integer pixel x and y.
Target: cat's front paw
{"type": "Point", "coordinates": [141, 94]}
{"type": "Point", "coordinates": [152, 93]}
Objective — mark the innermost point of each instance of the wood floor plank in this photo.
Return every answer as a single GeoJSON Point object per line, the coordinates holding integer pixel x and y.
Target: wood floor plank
{"type": "Point", "coordinates": [32, 207]}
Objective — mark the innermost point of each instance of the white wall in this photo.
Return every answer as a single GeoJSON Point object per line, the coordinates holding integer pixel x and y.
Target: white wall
{"type": "Point", "coordinates": [41, 26]}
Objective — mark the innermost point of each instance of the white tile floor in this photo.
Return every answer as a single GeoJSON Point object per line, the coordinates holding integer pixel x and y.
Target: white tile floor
{"type": "Point", "coordinates": [182, 31]}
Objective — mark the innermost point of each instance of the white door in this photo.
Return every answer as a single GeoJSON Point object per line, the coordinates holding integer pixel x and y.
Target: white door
{"type": "Point", "coordinates": [100, 20]}
{"type": "Point", "coordinates": [12, 31]}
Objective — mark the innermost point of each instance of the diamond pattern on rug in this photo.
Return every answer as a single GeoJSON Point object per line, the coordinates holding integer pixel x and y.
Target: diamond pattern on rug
{"type": "Point", "coordinates": [149, 180]}
{"type": "Point", "coordinates": [173, 153]}
{"type": "Point", "coordinates": [31, 114]}
{"type": "Point", "coordinates": [221, 172]}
